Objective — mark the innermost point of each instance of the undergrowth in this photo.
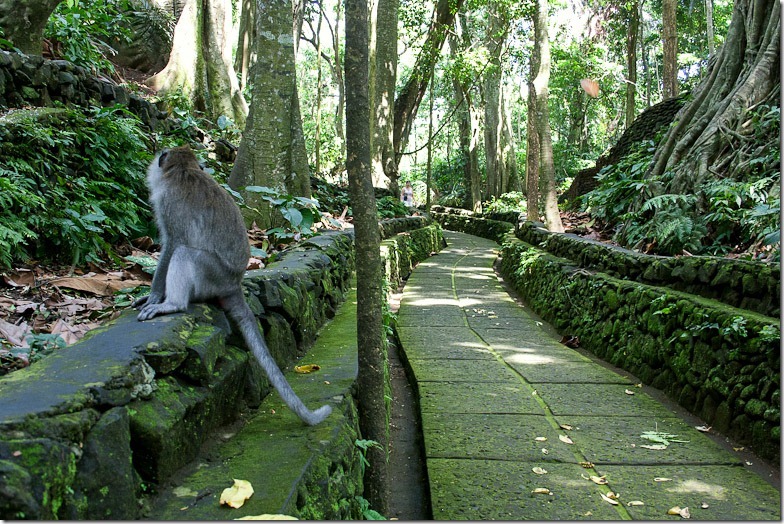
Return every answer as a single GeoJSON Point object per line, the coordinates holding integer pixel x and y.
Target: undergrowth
{"type": "Point", "coordinates": [71, 184]}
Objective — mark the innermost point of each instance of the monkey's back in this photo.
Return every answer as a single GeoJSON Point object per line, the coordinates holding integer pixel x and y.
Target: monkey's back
{"type": "Point", "coordinates": [195, 211]}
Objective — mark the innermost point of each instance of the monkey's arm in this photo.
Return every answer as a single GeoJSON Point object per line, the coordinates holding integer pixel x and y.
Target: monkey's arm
{"type": "Point", "coordinates": [158, 289]}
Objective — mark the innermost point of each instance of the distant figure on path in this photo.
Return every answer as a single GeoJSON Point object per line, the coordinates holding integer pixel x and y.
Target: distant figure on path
{"type": "Point", "coordinates": [407, 194]}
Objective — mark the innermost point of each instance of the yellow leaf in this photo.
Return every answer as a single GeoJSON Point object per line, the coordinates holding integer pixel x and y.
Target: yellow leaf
{"type": "Point", "coordinates": [565, 439]}
{"type": "Point", "coordinates": [542, 491]}
{"type": "Point", "coordinates": [628, 392]}
{"type": "Point", "coordinates": [654, 446]}
{"type": "Point", "coordinates": [586, 465]}
{"type": "Point", "coordinates": [236, 495]}
{"type": "Point", "coordinates": [307, 368]}
{"type": "Point", "coordinates": [598, 480]}
{"type": "Point", "coordinates": [540, 439]}
{"type": "Point", "coordinates": [268, 516]}
{"type": "Point", "coordinates": [544, 451]}
{"type": "Point", "coordinates": [539, 471]}
{"type": "Point", "coordinates": [683, 512]}
{"type": "Point", "coordinates": [704, 429]}
{"type": "Point", "coordinates": [608, 499]}
{"type": "Point", "coordinates": [661, 479]}
{"type": "Point", "coordinates": [566, 427]}
{"type": "Point", "coordinates": [635, 503]}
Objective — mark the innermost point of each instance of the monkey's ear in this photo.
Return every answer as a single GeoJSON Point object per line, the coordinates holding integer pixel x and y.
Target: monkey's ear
{"type": "Point", "coordinates": [164, 154]}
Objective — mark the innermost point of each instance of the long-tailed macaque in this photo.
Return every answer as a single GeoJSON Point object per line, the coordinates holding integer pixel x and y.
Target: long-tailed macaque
{"type": "Point", "coordinates": [204, 256]}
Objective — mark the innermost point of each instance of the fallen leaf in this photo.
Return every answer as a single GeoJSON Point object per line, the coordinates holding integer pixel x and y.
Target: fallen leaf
{"type": "Point", "coordinates": [683, 512]}
{"type": "Point", "coordinates": [17, 453]}
{"type": "Point", "coordinates": [541, 439]}
{"type": "Point", "coordinates": [19, 278]}
{"type": "Point", "coordinates": [661, 479]}
{"type": "Point", "coordinates": [544, 451]}
{"type": "Point", "coordinates": [704, 429]}
{"type": "Point", "coordinates": [565, 439]}
{"type": "Point", "coordinates": [635, 503]}
{"type": "Point", "coordinates": [656, 447]}
{"type": "Point", "coordinates": [599, 480]}
{"type": "Point", "coordinates": [566, 427]}
{"type": "Point", "coordinates": [749, 463]}
{"type": "Point", "coordinates": [608, 499]}
{"type": "Point", "coordinates": [182, 491]}
{"type": "Point", "coordinates": [704, 505]}
{"type": "Point", "coordinates": [539, 471]}
{"type": "Point", "coordinates": [542, 491]}
{"type": "Point", "coordinates": [638, 385]}
{"type": "Point", "coordinates": [739, 449]}
{"type": "Point", "coordinates": [268, 516]}
{"type": "Point", "coordinates": [236, 495]}
{"type": "Point", "coordinates": [628, 392]}
{"type": "Point", "coordinates": [586, 465]}
{"type": "Point", "coordinates": [307, 368]}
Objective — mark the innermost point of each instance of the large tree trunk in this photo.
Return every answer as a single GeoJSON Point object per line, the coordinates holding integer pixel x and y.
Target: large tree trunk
{"type": "Point", "coordinates": [540, 84]}
{"type": "Point", "coordinates": [200, 64]}
{"type": "Point", "coordinates": [744, 74]}
{"type": "Point", "coordinates": [407, 102]}
{"type": "Point", "coordinates": [272, 152]}
{"type": "Point", "coordinates": [24, 21]}
{"type": "Point", "coordinates": [383, 73]}
{"type": "Point", "coordinates": [494, 157]}
{"type": "Point", "coordinates": [373, 375]}
{"type": "Point", "coordinates": [468, 123]}
{"type": "Point", "coordinates": [670, 49]}
{"type": "Point", "coordinates": [245, 38]}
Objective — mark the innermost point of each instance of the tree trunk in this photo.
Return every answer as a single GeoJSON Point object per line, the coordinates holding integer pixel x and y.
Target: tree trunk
{"type": "Point", "coordinates": [245, 38]}
{"type": "Point", "coordinates": [272, 152]}
{"type": "Point", "coordinates": [200, 63]}
{"type": "Point", "coordinates": [709, 23]}
{"type": "Point", "coordinates": [24, 21]}
{"type": "Point", "coordinates": [540, 84]}
{"type": "Point", "coordinates": [512, 181]}
{"type": "Point", "coordinates": [744, 74]}
{"type": "Point", "coordinates": [407, 102]}
{"type": "Point", "coordinates": [373, 375]}
{"type": "Point", "coordinates": [532, 156]}
{"type": "Point", "coordinates": [494, 41]}
{"type": "Point", "coordinates": [633, 15]}
{"type": "Point", "coordinates": [383, 74]}
{"type": "Point", "coordinates": [670, 49]}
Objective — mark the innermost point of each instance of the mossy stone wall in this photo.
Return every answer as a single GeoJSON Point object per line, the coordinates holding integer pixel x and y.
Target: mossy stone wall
{"type": "Point", "coordinates": [719, 361]}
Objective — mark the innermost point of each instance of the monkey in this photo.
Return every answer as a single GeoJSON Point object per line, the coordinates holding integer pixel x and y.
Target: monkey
{"type": "Point", "coordinates": [205, 251]}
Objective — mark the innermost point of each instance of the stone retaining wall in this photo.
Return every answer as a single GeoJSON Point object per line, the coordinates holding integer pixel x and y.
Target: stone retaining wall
{"type": "Point", "coordinates": [31, 80]}
{"type": "Point", "coordinates": [719, 361]}
{"type": "Point", "coordinates": [86, 432]}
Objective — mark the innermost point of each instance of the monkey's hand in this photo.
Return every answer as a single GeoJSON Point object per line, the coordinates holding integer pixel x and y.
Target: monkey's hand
{"type": "Point", "coordinates": [152, 298]}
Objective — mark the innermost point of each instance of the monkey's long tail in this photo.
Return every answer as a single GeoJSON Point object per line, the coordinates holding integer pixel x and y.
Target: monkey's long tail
{"type": "Point", "coordinates": [238, 309]}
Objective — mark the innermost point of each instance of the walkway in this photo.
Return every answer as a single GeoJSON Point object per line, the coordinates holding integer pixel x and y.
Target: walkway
{"type": "Point", "coordinates": [516, 425]}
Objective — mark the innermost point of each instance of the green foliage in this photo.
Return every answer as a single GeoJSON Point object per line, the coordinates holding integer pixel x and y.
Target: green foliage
{"type": "Point", "coordinates": [512, 201]}
{"type": "Point", "coordinates": [299, 213]}
{"type": "Point", "coordinates": [668, 221]}
{"type": "Point", "coordinates": [86, 31]}
{"type": "Point", "coordinates": [72, 184]}
{"type": "Point", "coordinates": [42, 344]}
{"type": "Point", "coordinates": [391, 207]}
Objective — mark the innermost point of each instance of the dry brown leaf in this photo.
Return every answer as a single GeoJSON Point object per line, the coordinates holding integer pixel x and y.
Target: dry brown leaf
{"type": "Point", "coordinates": [683, 512]}
{"type": "Point", "coordinates": [541, 439]}
{"type": "Point", "coordinates": [566, 427]}
{"type": "Point", "coordinates": [609, 500]}
{"type": "Point", "coordinates": [15, 334]}
{"type": "Point", "coordinates": [539, 471]}
{"type": "Point", "coordinates": [19, 278]}
{"type": "Point", "coordinates": [598, 480]}
{"type": "Point", "coordinates": [103, 285]}
{"type": "Point", "coordinates": [565, 439]}
{"type": "Point", "coordinates": [306, 368]}
{"type": "Point", "coordinates": [586, 465]}
{"type": "Point", "coordinates": [236, 495]}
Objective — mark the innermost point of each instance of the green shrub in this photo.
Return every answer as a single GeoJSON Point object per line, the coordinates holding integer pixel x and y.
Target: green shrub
{"type": "Point", "coordinates": [71, 184]}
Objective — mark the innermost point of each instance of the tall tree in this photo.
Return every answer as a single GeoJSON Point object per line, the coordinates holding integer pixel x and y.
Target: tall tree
{"type": "Point", "coordinates": [539, 84]}
{"type": "Point", "coordinates": [631, 11]}
{"type": "Point", "coordinates": [410, 96]}
{"type": "Point", "coordinates": [372, 377]}
{"type": "Point", "coordinates": [494, 114]}
{"type": "Point", "coordinates": [383, 74]}
{"type": "Point", "coordinates": [467, 115]}
{"type": "Point", "coordinates": [23, 22]}
{"type": "Point", "coordinates": [200, 64]}
{"type": "Point", "coordinates": [272, 152]}
{"type": "Point", "coordinates": [670, 49]}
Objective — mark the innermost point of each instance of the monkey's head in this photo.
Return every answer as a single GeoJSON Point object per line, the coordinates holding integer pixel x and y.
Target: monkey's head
{"type": "Point", "coordinates": [181, 157]}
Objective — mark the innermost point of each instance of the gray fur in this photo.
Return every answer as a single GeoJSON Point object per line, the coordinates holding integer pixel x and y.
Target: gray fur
{"type": "Point", "coordinates": [204, 256]}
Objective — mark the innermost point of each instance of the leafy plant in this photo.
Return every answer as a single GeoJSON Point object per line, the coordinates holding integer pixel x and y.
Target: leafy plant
{"type": "Point", "coordinates": [72, 184]}
{"type": "Point", "coordinates": [391, 207]}
{"type": "Point", "coordinates": [300, 213]}
{"type": "Point", "coordinates": [86, 31]}
{"type": "Point", "coordinates": [512, 201]}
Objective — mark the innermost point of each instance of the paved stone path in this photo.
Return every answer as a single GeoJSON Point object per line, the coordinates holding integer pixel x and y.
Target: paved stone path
{"type": "Point", "coordinates": [500, 397]}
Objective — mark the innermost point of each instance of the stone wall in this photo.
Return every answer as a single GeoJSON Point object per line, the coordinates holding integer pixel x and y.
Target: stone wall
{"type": "Point", "coordinates": [88, 431]}
{"type": "Point", "coordinates": [719, 361]}
{"type": "Point", "coordinates": [30, 80]}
